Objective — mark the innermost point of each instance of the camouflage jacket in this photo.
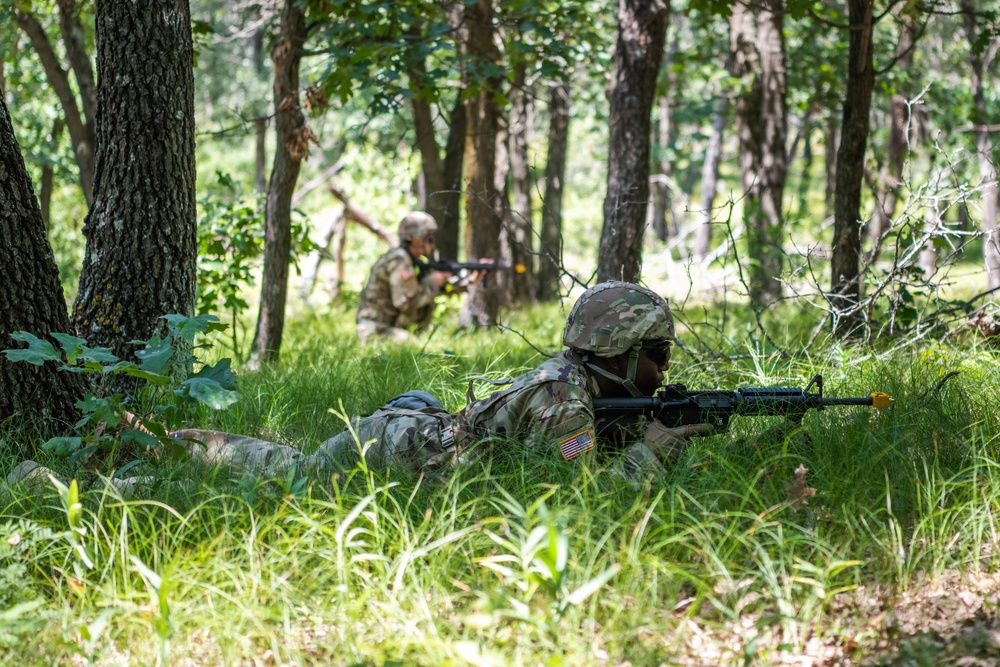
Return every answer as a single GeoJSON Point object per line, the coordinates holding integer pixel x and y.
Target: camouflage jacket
{"type": "Point", "coordinates": [550, 406]}
{"type": "Point", "coordinates": [395, 295]}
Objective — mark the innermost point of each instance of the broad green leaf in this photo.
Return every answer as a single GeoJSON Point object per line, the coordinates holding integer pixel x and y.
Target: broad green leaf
{"type": "Point", "coordinates": [208, 392]}
{"type": "Point", "coordinates": [220, 372]}
{"type": "Point", "coordinates": [62, 446]}
{"type": "Point", "coordinates": [158, 380]}
{"type": "Point", "coordinates": [156, 355]}
{"type": "Point", "coordinates": [140, 438]}
{"type": "Point", "coordinates": [38, 351]}
{"type": "Point", "coordinates": [101, 355]}
{"type": "Point", "coordinates": [71, 345]}
{"type": "Point", "coordinates": [101, 409]}
{"type": "Point", "coordinates": [188, 327]}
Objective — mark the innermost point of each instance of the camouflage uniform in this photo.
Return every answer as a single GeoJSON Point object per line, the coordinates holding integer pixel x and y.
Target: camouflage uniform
{"type": "Point", "coordinates": [550, 406]}
{"type": "Point", "coordinates": [397, 297]}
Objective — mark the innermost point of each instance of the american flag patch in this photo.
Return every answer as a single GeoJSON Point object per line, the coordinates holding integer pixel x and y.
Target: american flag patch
{"type": "Point", "coordinates": [577, 444]}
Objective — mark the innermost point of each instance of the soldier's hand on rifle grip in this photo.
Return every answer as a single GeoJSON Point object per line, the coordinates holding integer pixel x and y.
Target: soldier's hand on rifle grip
{"type": "Point", "coordinates": [668, 443]}
{"type": "Point", "coordinates": [477, 276]}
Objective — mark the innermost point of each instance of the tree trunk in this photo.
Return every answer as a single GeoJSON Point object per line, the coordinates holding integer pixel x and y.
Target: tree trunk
{"type": "Point", "coordinates": [984, 150]}
{"type": "Point", "coordinates": [291, 148]}
{"type": "Point", "coordinates": [141, 231]}
{"type": "Point", "coordinates": [482, 201]}
{"type": "Point", "coordinates": [710, 178]}
{"type": "Point", "coordinates": [454, 160]}
{"type": "Point", "coordinates": [501, 179]}
{"type": "Point", "coordinates": [662, 220]}
{"type": "Point", "coordinates": [31, 296]}
{"type": "Point", "coordinates": [260, 165]}
{"type": "Point", "coordinates": [845, 286]}
{"type": "Point", "coordinates": [759, 59]}
{"type": "Point", "coordinates": [83, 147]}
{"type": "Point", "coordinates": [888, 183]}
{"type": "Point", "coordinates": [48, 172]}
{"type": "Point", "coordinates": [805, 180]}
{"type": "Point", "coordinates": [518, 233]}
{"type": "Point", "coordinates": [550, 252]}
{"type": "Point", "coordinates": [79, 60]}
{"type": "Point", "coordinates": [831, 145]}
{"type": "Point", "coordinates": [642, 26]}
{"type": "Point", "coordinates": [431, 166]}
{"type": "Point", "coordinates": [442, 179]}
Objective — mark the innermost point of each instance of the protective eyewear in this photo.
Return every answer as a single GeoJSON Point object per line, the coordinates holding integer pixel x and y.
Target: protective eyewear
{"type": "Point", "coordinates": [658, 354]}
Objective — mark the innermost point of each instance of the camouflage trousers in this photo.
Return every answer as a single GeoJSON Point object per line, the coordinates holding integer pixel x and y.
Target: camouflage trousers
{"type": "Point", "coordinates": [394, 438]}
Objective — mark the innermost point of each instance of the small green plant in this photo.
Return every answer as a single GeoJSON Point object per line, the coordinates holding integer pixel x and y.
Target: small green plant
{"type": "Point", "coordinates": [230, 243]}
{"type": "Point", "coordinates": [160, 404]}
{"type": "Point", "coordinates": [159, 592]}
{"type": "Point", "coordinates": [536, 561]}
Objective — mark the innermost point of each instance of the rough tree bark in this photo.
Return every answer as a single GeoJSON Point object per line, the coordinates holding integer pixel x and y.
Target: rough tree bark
{"type": "Point", "coordinates": [80, 134]}
{"type": "Point", "coordinates": [550, 252]}
{"type": "Point", "coordinates": [759, 60]}
{"type": "Point", "coordinates": [845, 280]}
{"type": "Point", "coordinates": [889, 178]}
{"type": "Point", "coordinates": [642, 26]}
{"type": "Point", "coordinates": [516, 236]}
{"type": "Point", "coordinates": [291, 147]}
{"type": "Point", "coordinates": [482, 201]}
{"type": "Point", "coordinates": [710, 178]}
{"type": "Point", "coordinates": [31, 296]}
{"type": "Point", "coordinates": [984, 149]}
{"type": "Point", "coordinates": [141, 231]}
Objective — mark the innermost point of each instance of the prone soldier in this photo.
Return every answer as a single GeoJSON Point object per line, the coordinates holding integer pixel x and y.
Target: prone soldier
{"type": "Point", "coordinates": [618, 338]}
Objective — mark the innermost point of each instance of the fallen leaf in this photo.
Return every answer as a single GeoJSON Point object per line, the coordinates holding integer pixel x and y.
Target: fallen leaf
{"type": "Point", "coordinates": [798, 492]}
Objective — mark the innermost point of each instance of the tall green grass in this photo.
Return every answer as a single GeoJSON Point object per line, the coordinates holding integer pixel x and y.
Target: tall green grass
{"type": "Point", "coordinates": [516, 557]}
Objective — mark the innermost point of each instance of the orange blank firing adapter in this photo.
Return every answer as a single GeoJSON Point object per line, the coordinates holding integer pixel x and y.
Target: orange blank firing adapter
{"type": "Point", "coordinates": [880, 399]}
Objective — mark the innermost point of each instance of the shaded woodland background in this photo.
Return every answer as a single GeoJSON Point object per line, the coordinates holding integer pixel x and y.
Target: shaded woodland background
{"type": "Point", "coordinates": [252, 158]}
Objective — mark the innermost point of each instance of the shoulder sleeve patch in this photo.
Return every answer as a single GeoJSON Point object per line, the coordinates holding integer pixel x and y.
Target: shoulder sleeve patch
{"type": "Point", "coordinates": [577, 444]}
{"type": "Point", "coordinates": [406, 273]}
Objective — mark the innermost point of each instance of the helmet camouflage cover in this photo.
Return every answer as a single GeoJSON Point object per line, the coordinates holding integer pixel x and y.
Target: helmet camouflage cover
{"type": "Point", "coordinates": [612, 317]}
{"type": "Point", "coordinates": [416, 225]}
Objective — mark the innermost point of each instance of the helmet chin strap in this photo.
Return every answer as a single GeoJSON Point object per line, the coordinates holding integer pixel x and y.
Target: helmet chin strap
{"type": "Point", "coordinates": [629, 380]}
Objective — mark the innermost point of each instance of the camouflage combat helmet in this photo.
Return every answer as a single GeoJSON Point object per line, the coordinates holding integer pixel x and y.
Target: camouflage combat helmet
{"type": "Point", "coordinates": [612, 317]}
{"type": "Point", "coordinates": [416, 225]}
{"type": "Point", "coordinates": [615, 317]}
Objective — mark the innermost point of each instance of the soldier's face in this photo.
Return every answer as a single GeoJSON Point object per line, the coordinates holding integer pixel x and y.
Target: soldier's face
{"type": "Point", "coordinates": [423, 247]}
{"type": "Point", "coordinates": [649, 369]}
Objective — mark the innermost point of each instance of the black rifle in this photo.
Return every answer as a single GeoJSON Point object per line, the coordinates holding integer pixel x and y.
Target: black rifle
{"type": "Point", "coordinates": [675, 405]}
{"type": "Point", "coordinates": [452, 266]}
